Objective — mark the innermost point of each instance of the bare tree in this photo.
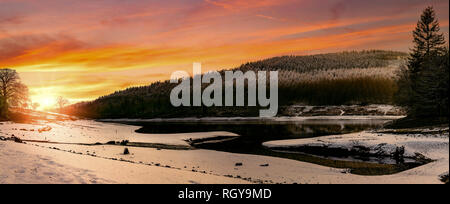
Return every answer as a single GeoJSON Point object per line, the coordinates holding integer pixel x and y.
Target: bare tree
{"type": "Point", "coordinates": [35, 105]}
{"type": "Point", "coordinates": [61, 102]}
{"type": "Point", "coordinates": [12, 90]}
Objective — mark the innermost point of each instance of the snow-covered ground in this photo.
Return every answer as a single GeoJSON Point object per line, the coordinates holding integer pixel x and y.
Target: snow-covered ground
{"type": "Point", "coordinates": [90, 132]}
{"type": "Point", "coordinates": [433, 146]}
{"type": "Point", "coordinates": [22, 163]}
{"type": "Point", "coordinates": [72, 163]}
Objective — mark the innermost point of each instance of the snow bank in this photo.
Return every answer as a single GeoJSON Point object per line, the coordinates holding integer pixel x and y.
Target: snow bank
{"type": "Point", "coordinates": [90, 132]}
{"type": "Point", "coordinates": [20, 163]}
{"type": "Point", "coordinates": [432, 146]}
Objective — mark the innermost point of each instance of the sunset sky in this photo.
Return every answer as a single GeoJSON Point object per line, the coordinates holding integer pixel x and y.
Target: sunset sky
{"type": "Point", "coordinates": [82, 49]}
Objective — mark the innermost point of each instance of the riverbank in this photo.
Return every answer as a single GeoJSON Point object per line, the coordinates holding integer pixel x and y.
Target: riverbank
{"type": "Point", "coordinates": [344, 110]}
{"type": "Point", "coordinates": [155, 165]}
{"type": "Point", "coordinates": [428, 147]}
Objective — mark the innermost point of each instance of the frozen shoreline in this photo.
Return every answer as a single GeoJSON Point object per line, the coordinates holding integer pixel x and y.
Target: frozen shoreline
{"type": "Point", "coordinates": [182, 166]}
{"type": "Point", "coordinates": [432, 146]}
{"type": "Point", "coordinates": [91, 132]}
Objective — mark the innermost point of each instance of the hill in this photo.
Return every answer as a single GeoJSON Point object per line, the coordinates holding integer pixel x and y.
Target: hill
{"type": "Point", "coordinates": [347, 78]}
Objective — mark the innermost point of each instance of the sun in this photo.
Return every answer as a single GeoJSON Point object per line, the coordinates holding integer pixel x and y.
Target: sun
{"type": "Point", "coordinates": [45, 102]}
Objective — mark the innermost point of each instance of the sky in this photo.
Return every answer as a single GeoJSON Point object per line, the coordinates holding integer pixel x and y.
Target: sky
{"type": "Point", "coordinates": [83, 49]}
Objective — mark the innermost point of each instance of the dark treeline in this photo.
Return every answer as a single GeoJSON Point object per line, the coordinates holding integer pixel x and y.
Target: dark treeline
{"type": "Point", "coordinates": [302, 80]}
{"type": "Point", "coordinates": [351, 91]}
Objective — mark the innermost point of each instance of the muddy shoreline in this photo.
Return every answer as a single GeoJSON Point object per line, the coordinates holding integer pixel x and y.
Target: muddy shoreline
{"type": "Point", "coordinates": [350, 110]}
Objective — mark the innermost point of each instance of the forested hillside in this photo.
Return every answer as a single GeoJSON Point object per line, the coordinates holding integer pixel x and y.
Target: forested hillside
{"type": "Point", "coordinates": [329, 79]}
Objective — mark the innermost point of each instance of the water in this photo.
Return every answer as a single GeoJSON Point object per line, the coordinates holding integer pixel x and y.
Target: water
{"type": "Point", "coordinates": [254, 133]}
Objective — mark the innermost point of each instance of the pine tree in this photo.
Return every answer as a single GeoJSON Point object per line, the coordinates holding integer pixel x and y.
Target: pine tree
{"type": "Point", "coordinates": [423, 83]}
{"type": "Point", "coordinates": [433, 86]}
{"type": "Point", "coordinates": [428, 40]}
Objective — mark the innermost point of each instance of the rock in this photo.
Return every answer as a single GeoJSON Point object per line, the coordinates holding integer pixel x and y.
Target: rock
{"type": "Point", "coordinates": [124, 142]}
{"type": "Point", "coordinates": [239, 164]}
{"type": "Point", "coordinates": [2, 138]}
{"type": "Point", "coordinates": [126, 151]}
{"type": "Point", "coordinates": [264, 165]}
{"type": "Point", "coordinates": [444, 178]}
{"type": "Point", "coordinates": [399, 155]}
{"type": "Point", "coordinates": [18, 140]}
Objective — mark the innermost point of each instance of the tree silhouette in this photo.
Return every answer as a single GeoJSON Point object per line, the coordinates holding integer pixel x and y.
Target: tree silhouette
{"type": "Point", "coordinates": [428, 40]}
{"type": "Point", "coordinates": [35, 105]}
{"type": "Point", "coordinates": [12, 91]}
{"type": "Point", "coordinates": [61, 102]}
{"type": "Point", "coordinates": [423, 85]}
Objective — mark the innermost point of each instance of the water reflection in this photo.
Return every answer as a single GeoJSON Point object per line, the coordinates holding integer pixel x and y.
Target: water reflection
{"type": "Point", "coordinates": [254, 133]}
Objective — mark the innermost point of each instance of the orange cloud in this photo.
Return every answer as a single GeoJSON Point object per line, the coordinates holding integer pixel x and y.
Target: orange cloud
{"type": "Point", "coordinates": [238, 4]}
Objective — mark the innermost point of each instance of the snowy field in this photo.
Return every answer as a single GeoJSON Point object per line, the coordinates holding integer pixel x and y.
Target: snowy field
{"type": "Point", "coordinates": [73, 163]}
{"type": "Point", "coordinates": [22, 163]}
{"type": "Point", "coordinates": [90, 132]}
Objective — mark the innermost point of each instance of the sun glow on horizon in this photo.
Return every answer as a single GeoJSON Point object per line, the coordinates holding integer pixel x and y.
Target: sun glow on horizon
{"type": "Point", "coordinates": [45, 101]}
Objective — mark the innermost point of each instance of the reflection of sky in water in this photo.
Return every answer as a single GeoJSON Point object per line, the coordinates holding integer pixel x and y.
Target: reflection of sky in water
{"type": "Point", "coordinates": [254, 133]}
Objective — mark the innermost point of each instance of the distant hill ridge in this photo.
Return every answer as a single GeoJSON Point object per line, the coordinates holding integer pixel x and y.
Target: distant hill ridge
{"type": "Point", "coordinates": [325, 73]}
{"type": "Point", "coordinates": [301, 64]}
